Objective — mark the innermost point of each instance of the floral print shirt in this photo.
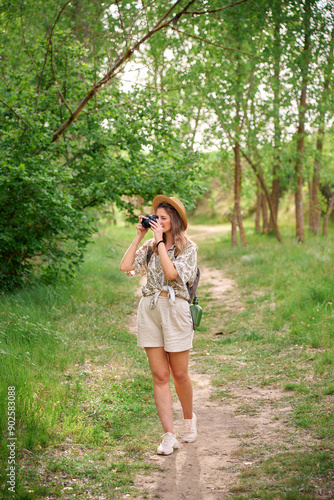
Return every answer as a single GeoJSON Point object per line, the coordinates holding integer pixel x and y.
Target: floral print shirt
{"type": "Point", "coordinates": [185, 264]}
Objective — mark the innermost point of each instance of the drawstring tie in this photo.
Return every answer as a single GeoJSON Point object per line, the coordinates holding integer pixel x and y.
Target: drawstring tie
{"type": "Point", "coordinates": [171, 296]}
{"type": "Point", "coordinates": [164, 288]}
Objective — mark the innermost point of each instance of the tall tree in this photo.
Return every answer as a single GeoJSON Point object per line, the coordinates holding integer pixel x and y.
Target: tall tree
{"type": "Point", "coordinates": [324, 99]}
{"type": "Point", "coordinates": [277, 10]}
{"type": "Point", "coordinates": [229, 86]}
{"type": "Point", "coordinates": [304, 71]}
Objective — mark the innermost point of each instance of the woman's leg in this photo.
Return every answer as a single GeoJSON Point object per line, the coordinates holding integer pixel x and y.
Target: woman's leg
{"type": "Point", "coordinates": [179, 362]}
{"type": "Point", "coordinates": [159, 365]}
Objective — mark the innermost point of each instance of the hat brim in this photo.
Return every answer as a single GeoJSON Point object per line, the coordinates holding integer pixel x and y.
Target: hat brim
{"type": "Point", "coordinates": [175, 203]}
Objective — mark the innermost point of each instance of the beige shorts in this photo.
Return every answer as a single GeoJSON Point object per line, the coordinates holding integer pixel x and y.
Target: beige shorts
{"type": "Point", "coordinates": [168, 326]}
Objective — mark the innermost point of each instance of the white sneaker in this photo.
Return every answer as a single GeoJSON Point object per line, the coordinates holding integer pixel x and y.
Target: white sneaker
{"type": "Point", "coordinates": [189, 431]}
{"type": "Point", "coordinates": [168, 444]}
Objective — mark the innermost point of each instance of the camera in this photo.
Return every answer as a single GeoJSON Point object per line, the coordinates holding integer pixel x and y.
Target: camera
{"type": "Point", "coordinates": [146, 221]}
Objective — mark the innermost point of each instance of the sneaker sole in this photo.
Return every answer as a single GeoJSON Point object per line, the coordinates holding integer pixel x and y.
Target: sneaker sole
{"type": "Point", "coordinates": [175, 447]}
{"type": "Point", "coordinates": [190, 440]}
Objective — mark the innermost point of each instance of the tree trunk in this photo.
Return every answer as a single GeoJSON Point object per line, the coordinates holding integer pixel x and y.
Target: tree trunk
{"type": "Point", "coordinates": [237, 187]}
{"type": "Point", "coordinates": [266, 192]}
{"type": "Point", "coordinates": [193, 135]}
{"type": "Point", "coordinates": [265, 226]}
{"type": "Point", "coordinates": [315, 208]}
{"type": "Point", "coordinates": [311, 211]}
{"type": "Point", "coordinates": [301, 128]}
{"type": "Point", "coordinates": [328, 214]}
{"type": "Point", "coordinates": [234, 231]}
{"type": "Point", "coordinates": [258, 208]}
{"type": "Point", "coordinates": [275, 195]}
{"type": "Point", "coordinates": [276, 188]}
{"type": "Point", "coordinates": [299, 201]}
{"type": "Point", "coordinates": [113, 214]}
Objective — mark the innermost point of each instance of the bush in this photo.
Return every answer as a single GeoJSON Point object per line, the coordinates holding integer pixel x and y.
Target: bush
{"type": "Point", "coordinates": [120, 150]}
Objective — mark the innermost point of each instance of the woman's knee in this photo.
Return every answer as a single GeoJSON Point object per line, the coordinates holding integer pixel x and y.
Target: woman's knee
{"type": "Point", "coordinates": [161, 377]}
{"type": "Point", "coordinates": [181, 377]}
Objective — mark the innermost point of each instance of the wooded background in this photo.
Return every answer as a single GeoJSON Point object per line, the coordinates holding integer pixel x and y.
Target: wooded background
{"type": "Point", "coordinates": [241, 92]}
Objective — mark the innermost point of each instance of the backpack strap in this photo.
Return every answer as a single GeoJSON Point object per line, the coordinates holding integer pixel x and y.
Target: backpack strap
{"type": "Point", "coordinates": [193, 289]}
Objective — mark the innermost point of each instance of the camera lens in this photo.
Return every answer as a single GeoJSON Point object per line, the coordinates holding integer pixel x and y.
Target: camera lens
{"type": "Point", "coordinates": [146, 221]}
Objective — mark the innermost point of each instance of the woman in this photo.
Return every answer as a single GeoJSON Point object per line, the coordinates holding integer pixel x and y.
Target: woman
{"type": "Point", "coordinates": [165, 327]}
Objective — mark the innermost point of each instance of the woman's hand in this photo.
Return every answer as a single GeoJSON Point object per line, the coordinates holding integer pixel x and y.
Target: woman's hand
{"type": "Point", "coordinates": [141, 231]}
{"type": "Point", "coordinates": [157, 230]}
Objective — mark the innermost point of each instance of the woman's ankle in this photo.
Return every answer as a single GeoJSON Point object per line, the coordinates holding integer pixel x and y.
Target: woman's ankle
{"type": "Point", "coordinates": [169, 429]}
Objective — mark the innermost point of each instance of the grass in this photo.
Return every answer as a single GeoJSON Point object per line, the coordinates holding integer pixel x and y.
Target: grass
{"type": "Point", "coordinates": [81, 384]}
{"type": "Point", "coordinates": [85, 415]}
{"type": "Point", "coordinates": [283, 339]}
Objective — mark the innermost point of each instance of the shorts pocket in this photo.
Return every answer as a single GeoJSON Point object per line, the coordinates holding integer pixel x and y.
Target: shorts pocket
{"type": "Point", "coordinates": [182, 314]}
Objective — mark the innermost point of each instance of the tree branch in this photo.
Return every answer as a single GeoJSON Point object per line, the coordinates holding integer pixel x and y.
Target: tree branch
{"type": "Point", "coordinates": [199, 13]}
{"type": "Point", "coordinates": [55, 80]}
{"type": "Point", "coordinates": [26, 45]}
{"type": "Point", "coordinates": [145, 14]}
{"type": "Point", "coordinates": [73, 33]}
{"type": "Point", "coordinates": [121, 18]}
{"type": "Point", "coordinates": [48, 48]}
{"type": "Point", "coordinates": [119, 62]}
{"type": "Point", "coordinates": [196, 37]}
{"type": "Point", "coordinates": [81, 153]}
{"type": "Point", "coordinates": [98, 110]}
{"type": "Point", "coordinates": [13, 111]}
{"type": "Point", "coordinates": [90, 204]}
{"type": "Point", "coordinates": [170, 11]}
{"type": "Point", "coordinates": [260, 10]}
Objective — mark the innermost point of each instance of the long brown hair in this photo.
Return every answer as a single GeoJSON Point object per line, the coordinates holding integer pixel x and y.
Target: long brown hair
{"type": "Point", "coordinates": [178, 231]}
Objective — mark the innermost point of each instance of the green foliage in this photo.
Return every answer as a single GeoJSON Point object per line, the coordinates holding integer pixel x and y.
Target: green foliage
{"type": "Point", "coordinates": [242, 75]}
{"type": "Point", "coordinates": [38, 219]}
{"type": "Point", "coordinates": [119, 150]}
{"type": "Point", "coordinates": [79, 380]}
{"type": "Point", "coordinates": [126, 147]}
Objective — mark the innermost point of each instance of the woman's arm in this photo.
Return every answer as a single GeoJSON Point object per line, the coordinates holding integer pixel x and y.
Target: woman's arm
{"type": "Point", "coordinates": [167, 265]}
{"type": "Point", "coordinates": [129, 256]}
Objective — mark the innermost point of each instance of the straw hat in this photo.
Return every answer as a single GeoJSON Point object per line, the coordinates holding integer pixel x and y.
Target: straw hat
{"type": "Point", "coordinates": [177, 204]}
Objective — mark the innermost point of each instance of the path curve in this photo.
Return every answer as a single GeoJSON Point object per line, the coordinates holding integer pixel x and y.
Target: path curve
{"type": "Point", "coordinates": [209, 467]}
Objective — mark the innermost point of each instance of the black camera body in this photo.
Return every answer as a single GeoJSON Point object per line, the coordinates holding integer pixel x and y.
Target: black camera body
{"type": "Point", "coordinates": [146, 221]}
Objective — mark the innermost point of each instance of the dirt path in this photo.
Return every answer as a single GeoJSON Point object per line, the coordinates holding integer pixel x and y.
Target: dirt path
{"type": "Point", "coordinates": [208, 468]}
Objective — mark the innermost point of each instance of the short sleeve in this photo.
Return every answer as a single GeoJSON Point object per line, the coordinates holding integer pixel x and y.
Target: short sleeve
{"type": "Point", "coordinates": [140, 262]}
{"type": "Point", "coordinates": [186, 264]}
